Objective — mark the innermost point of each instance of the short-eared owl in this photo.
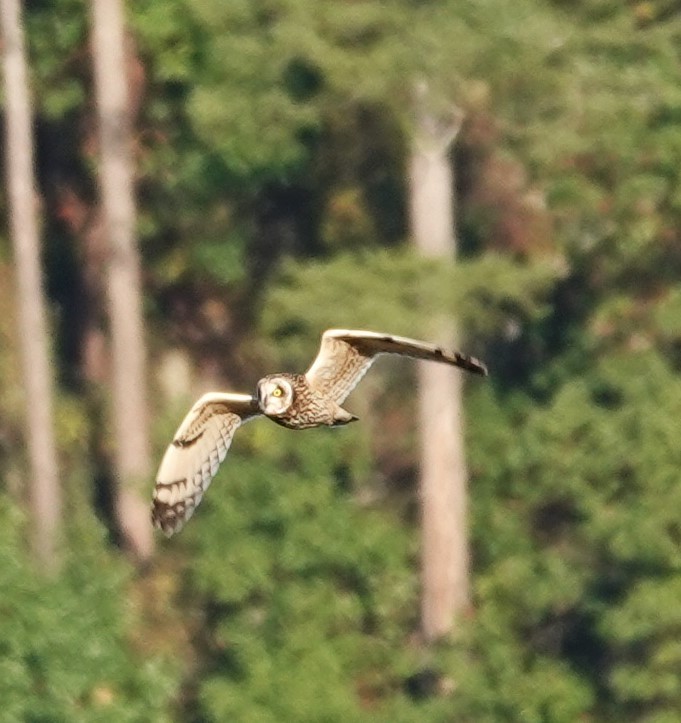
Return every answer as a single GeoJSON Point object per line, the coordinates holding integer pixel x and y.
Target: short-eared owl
{"type": "Point", "coordinates": [296, 401]}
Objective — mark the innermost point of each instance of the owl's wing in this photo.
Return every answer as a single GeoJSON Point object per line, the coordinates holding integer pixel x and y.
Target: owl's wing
{"type": "Point", "coordinates": [345, 356]}
{"type": "Point", "coordinates": [193, 457]}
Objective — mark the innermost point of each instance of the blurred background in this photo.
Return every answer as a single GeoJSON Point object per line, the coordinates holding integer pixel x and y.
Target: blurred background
{"type": "Point", "coordinates": [215, 183]}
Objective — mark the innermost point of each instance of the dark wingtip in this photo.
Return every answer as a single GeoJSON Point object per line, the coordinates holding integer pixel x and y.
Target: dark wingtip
{"type": "Point", "coordinates": [163, 518]}
{"type": "Point", "coordinates": [471, 364]}
{"type": "Point", "coordinates": [481, 369]}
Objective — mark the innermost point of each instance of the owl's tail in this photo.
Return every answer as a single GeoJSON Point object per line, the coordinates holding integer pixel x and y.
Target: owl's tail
{"type": "Point", "coordinates": [342, 416]}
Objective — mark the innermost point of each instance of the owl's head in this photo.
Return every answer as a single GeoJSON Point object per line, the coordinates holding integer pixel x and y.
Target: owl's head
{"type": "Point", "coordinates": [275, 395]}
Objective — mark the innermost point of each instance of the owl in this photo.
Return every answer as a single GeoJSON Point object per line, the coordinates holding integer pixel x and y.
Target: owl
{"type": "Point", "coordinates": [295, 401]}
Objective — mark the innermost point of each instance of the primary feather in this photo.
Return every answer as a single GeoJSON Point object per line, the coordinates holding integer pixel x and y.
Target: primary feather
{"type": "Point", "coordinates": [193, 457]}
{"type": "Point", "coordinates": [345, 357]}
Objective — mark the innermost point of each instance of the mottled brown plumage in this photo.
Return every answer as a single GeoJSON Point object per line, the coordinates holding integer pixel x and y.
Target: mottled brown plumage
{"type": "Point", "coordinates": [295, 401]}
{"type": "Point", "coordinates": [309, 406]}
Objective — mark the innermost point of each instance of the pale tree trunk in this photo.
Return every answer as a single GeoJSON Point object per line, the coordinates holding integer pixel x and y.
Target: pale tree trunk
{"type": "Point", "coordinates": [44, 489]}
{"type": "Point", "coordinates": [444, 552]}
{"type": "Point", "coordinates": [130, 404]}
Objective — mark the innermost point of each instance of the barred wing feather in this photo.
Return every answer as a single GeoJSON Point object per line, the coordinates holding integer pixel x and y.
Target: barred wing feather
{"type": "Point", "coordinates": [193, 457]}
{"type": "Point", "coordinates": [345, 356]}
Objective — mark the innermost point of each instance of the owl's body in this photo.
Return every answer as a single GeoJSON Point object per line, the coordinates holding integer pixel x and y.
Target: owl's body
{"type": "Point", "coordinates": [302, 407]}
{"type": "Point", "coordinates": [294, 401]}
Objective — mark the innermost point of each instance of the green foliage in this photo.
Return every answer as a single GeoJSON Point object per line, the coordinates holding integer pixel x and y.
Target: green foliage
{"type": "Point", "coordinates": [312, 595]}
{"type": "Point", "coordinates": [273, 74]}
{"type": "Point", "coordinates": [575, 533]}
{"type": "Point", "coordinates": [398, 290]}
{"type": "Point", "coordinates": [271, 130]}
{"type": "Point", "coordinates": [222, 259]}
{"type": "Point", "coordinates": [618, 148]}
{"type": "Point", "coordinates": [65, 649]}
{"type": "Point", "coordinates": [55, 51]}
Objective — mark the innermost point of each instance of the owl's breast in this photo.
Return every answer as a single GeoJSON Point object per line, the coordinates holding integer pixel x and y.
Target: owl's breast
{"type": "Point", "coordinates": [308, 409]}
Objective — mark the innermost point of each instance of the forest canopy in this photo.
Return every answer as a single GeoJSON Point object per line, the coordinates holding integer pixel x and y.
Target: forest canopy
{"type": "Point", "coordinates": [271, 148]}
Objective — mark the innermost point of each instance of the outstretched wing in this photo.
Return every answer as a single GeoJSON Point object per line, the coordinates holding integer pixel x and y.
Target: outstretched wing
{"type": "Point", "coordinates": [345, 356]}
{"type": "Point", "coordinates": [194, 455]}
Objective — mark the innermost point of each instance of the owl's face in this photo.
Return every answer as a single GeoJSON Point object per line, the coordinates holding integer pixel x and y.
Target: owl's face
{"type": "Point", "coordinates": [275, 395]}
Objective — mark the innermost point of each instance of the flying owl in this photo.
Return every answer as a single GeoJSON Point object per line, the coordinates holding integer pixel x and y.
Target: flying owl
{"type": "Point", "coordinates": [296, 401]}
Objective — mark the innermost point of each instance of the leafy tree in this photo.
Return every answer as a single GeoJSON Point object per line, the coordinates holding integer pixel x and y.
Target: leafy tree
{"type": "Point", "coordinates": [573, 536]}
{"type": "Point", "coordinates": [65, 649]}
{"type": "Point", "coordinates": [271, 147]}
{"type": "Point", "coordinates": [305, 620]}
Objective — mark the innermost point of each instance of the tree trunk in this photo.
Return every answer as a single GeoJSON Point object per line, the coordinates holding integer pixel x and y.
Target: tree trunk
{"type": "Point", "coordinates": [44, 489]}
{"type": "Point", "coordinates": [444, 552]}
{"type": "Point", "coordinates": [129, 401]}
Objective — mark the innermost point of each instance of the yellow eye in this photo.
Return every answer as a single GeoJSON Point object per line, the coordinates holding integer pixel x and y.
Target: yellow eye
{"type": "Point", "coordinates": [277, 392]}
